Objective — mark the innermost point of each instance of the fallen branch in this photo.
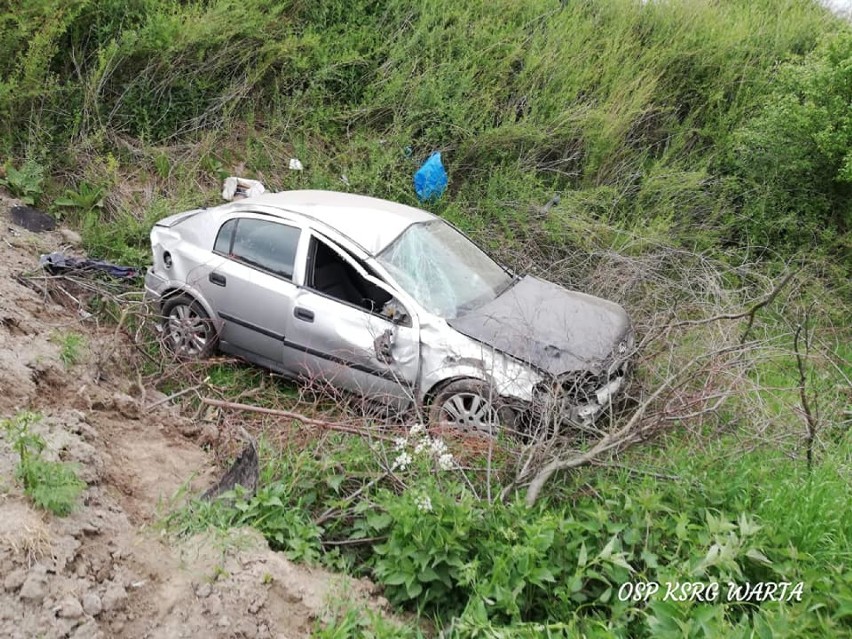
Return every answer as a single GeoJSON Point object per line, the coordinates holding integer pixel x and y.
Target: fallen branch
{"type": "Point", "coordinates": [178, 394]}
{"type": "Point", "coordinates": [616, 439]}
{"type": "Point", "coordinates": [810, 419]}
{"type": "Point", "coordinates": [353, 542]}
{"type": "Point", "coordinates": [304, 419]}
{"type": "Point", "coordinates": [750, 312]}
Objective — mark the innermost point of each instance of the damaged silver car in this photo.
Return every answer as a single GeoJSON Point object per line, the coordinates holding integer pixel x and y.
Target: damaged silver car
{"type": "Point", "coordinates": [387, 301]}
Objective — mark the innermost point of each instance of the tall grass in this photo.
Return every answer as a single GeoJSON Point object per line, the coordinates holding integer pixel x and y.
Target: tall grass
{"type": "Point", "coordinates": [632, 103]}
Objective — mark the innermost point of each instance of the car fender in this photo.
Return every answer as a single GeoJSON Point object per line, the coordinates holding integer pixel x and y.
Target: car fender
{"type": "Point", "coordinates": [519, 387]}
{"type": "Point", "coordinates": [447, 355]}
{"type": "Point", "coordinates": [171, 288]}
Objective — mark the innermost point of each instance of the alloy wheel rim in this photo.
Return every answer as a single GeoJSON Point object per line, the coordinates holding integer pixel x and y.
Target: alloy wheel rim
{"type": "Point", "coordinates": [470, 411]}
{"type": "Point", "coordinates": [187, 331]}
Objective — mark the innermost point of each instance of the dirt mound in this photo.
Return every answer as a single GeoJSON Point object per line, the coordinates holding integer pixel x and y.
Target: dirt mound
{"type": "Point", "coordinates": [105, 570]}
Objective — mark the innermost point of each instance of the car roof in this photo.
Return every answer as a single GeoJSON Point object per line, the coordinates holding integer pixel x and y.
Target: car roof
{"type": "Point", "coordinates": [370, 222]}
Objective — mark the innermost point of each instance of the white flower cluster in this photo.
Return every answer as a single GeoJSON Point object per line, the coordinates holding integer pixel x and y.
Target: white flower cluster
{"type": "Point", "coordinates": [423, 444]}
{"type": "Point", "coordinates": [424, 504]}
{"type": "Point", "coordinates": [402, 461]}
{"type": "Point", "coordinates": [445, 461]}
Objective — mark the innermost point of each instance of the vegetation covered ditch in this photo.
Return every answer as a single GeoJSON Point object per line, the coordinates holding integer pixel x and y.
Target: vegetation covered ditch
{"type": "Point", "coordinates": [690, 160]}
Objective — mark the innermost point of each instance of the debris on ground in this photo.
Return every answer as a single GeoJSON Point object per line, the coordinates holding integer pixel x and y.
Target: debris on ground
{"type": "Point", "coordinates": [236, 188]}
{"type": "Point", "coordinates": [430, 180]}
{"type": "Point", "coordinates": [58, 263]}
{"type": "Point", "coordinates": [243, 472]}
{"type": "Point", "coordinates": [32, 219]}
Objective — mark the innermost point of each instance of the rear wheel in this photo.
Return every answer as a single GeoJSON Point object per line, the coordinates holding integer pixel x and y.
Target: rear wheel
{"type": "Point", "coordinates": [188, 331]}
{"type": "Point", "coordinates": [471, 405]}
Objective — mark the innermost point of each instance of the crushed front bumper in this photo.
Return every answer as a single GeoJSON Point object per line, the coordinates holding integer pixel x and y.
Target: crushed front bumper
{"type": "Point", "coordinates": [589, 411]}
{"type": "Point", "coordinates": [579, 400]}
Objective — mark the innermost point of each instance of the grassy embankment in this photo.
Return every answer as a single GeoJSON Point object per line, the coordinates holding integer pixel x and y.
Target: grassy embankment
{"type": "Point", "coordinates": [715, 130]}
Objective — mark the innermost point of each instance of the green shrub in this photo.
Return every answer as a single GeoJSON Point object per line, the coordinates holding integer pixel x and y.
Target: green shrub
{"type": "Point", "coordinates": [794, 157]}
{"type": "Point", "coordinates": [51, 485]}
{"type": "Point", "coordinates": [85, 197]}
{"type": "Point", "coordinates": [24, 183]}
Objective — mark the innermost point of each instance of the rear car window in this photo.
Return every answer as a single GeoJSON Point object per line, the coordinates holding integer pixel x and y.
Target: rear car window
{"type": "Point", "coordinates": [270, 246]}
{"type": "Point", "coordinates": [223, 239]}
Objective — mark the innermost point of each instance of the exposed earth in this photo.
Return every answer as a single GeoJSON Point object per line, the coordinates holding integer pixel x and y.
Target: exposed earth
{"type": "Point", "coordinates": [107, 570]}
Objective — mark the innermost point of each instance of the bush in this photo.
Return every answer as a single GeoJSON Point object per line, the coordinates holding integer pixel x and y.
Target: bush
{"type": "Point", "coordinates": [505, 570]}
{"type": "Point", "coordinates": [794, 159]}
{"type": "Point", "coordinates": [24, 183]}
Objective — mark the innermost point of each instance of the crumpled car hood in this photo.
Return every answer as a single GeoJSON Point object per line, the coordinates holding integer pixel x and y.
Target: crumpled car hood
{"type": "Point", "coordinates": [549, 327]}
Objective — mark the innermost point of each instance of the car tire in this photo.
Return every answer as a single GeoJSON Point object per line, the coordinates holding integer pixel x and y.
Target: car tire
{"type": "Point", "coordinates": [188, 332]}
{"type": "Point", "coordinates": [472, 406]}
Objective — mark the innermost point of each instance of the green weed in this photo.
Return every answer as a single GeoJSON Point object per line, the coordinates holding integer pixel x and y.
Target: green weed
{"type": "Point", "coordinates": [507, 570]}
{"type": "Point", "coordinates": [71, 347]}
{"type": "Point", "coordinates": [352, 622]}
{"type": "Point", "coordinates": [86, 197]}
{"type": "Point", "coordinates": [24, 183]}
{"type": "Point", "coordinates": [53, 486]}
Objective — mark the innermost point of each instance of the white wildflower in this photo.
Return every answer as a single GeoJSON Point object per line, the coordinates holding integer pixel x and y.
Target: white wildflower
{"type": "Point", "coordinates": [401, 462]}
{"type": "Point", "coordinates": [421, 445]}
{"type": "Point", "coordinates": [399, 443]}
{"type": "Point", "coordinates": [445, 461]}
{"type": "Point", "coordinates": [424, 504]}
{"type": "Point", "coordinates": [438, 447]}
{"type": "Point", "coordinates": [417, 429]}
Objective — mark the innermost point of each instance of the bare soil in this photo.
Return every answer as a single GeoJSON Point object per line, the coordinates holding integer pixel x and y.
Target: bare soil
{"type": "Point", "coordinates": [107, 570]}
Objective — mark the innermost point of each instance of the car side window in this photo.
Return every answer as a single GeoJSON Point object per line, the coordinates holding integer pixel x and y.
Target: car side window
{"type": "Point", "coordinates": [270, 246]}
{"type": "Point", "coordinates": [331, 275]}
{"type": "Point", "coordinates": [223, 239]}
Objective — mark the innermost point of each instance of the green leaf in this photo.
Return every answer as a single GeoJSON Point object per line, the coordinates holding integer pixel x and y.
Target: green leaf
{"type": "Point", "coordinates": [394, 579]}
{"type": "Point", "coordinates": [606, 553]}
{"type": "Point", "coordinates": [379, 521]}
{"type": "Point", "coordinates": [747, 526]}
{"type": "Point", "coordinates": [618, 559]}
{"type": "Point", "coordinates": [756, 555]}
{"type": "Point", "coordinates": [583, 557]}
{"type": "Point", "coordinates": [542, 574]}
{"type": "Point", "coordinates": [413, 589]}
{"type": "Point", "coordinates": [334, 482]}
{"type": "Point", "coordinates": [649, 558]}
{"type": "Point", "coordinates": [428, 574]}
{"type": "Point", "coordinates": [575, 584]}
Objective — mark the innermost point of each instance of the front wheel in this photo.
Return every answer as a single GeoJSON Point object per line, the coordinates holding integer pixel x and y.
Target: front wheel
{"type": "Point", "coordinates": [188, 331]}
{"type": "Point", "coordinates": [471, 405]}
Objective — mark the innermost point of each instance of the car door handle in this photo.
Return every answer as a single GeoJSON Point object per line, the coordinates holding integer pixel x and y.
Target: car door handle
{"type": "Point", "coordinates": [218, 280]}
{"type": "Point", "coordinates": [303, 314]}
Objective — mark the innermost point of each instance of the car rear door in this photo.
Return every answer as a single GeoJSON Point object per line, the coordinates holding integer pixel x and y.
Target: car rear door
{"type": "Point", "coordinates": [249, 283]}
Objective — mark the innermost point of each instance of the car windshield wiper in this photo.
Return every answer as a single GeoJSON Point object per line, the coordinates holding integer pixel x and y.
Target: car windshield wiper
{"type": "Point", "coordinates": [515, 279]}
{"type": "Point", "coordinates": [480, 301]}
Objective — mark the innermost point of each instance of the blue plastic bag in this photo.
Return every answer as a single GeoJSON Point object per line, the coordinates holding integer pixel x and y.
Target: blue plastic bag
{"type": "Point", "coordinates": [430, 181]}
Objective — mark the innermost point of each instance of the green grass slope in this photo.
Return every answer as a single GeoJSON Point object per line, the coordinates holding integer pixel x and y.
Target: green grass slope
{"type": "Point", "coordinates": [683, 116]}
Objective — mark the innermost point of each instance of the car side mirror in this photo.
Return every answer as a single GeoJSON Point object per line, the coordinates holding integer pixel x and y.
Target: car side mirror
{"type": "Point", "coordinates": [396, 312]}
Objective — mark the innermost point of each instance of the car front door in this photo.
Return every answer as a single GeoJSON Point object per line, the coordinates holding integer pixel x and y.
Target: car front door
{"type": "Point", "coordinates": [249, 283]}
{"type": "Point", "coordinates": [350, 331]}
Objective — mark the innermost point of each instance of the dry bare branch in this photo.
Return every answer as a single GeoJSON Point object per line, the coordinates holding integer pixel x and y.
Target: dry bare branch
{"type": "Point", "coordinates": [304, 419]}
